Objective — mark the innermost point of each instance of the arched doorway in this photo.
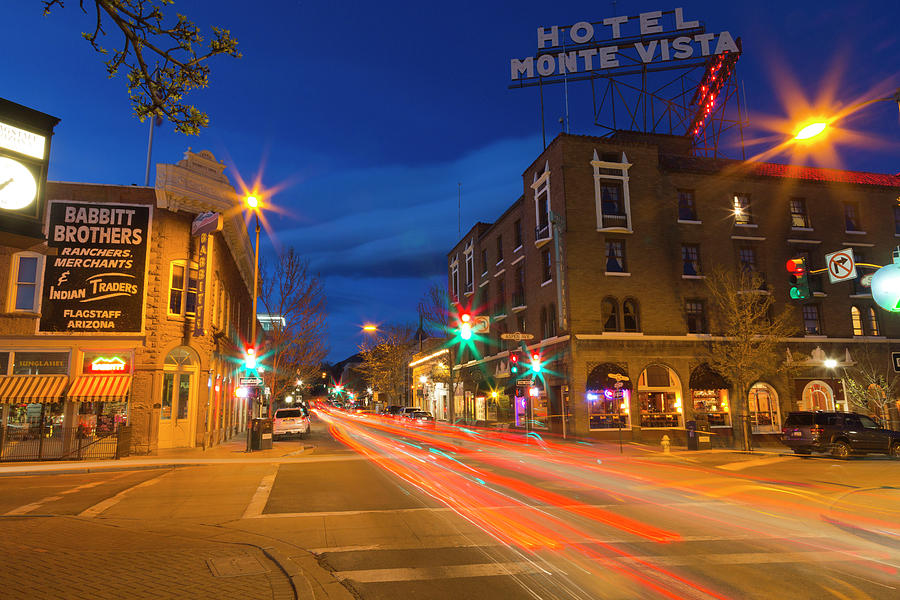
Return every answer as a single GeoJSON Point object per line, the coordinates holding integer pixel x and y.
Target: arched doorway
{"type": "Point", "coordinates": [765, 416]}
{"type": "Point", "coordinates": [659, 395]}
{"type": "Point", "coordinates": [817, 395]}
{"type": "Point", "coordinates": [178, 405]}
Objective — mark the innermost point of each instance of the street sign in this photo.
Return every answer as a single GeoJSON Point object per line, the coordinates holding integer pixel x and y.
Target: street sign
{"type": "Point", "coordinates": [481, 324]}
{"type": "Point", "coordinates": [250, 381]}
{"type": "Point", "coordinates": [518, 337]}
{"type": "Point", "coordinates": [841, 266]}
{"type": "Point", "coordinates": [895, 358]}
{"type": "Point", "coordinates": [206, 223]}
{"type": "Point", "coordinates": [524, 381]}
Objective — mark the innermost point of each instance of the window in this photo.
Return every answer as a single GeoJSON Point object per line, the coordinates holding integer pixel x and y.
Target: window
{"type": "Point", "coordinates": [183, 289]}
{"type": "Point", "coordinates": [856, 321]}
{"type": "Point", "coordinates": [542, 216]}
{"type": "Point", "coordinates": [609, 314]}
{"type": "Point", "coordinates": [517, 232]}
{"type": "Point", "coordinates": [615, 256]}
{"type": "Point", "coordinates": [470, 270]}
{"type": "Point", "coordinates": [799, 216]}
{"type": "Point", "coordinates": [611, 190]}
{"type": "Point", "coordinates": [501, 295]}
{"type": "Point", "coordinates": [873, 322]}
{"type": "Point", "coordinates": [897, 220]}
{"type": "Point", "coordinates": [687, 210]}
{"type": "Point", "coordinates": [28, 268]}
{"type": "Point", "coordinates": [747, 258]}
{"type": "Point", "coordinates": [551, 321]}
{"type": "Point", "coordinates": [630, 315]}
{"type": "Point", "coordinates": [454, 279]}
{"type": "Point", "coordinates": [499, 249]}
{"type": "Point", "coordinates": [812, 323]}
{"type": "Point", "coordinates": [690, 258]}
{"type": "Point", "coordinates": [851, 216]}
{"type": "Point", "coordinates": [695, 315]}
{"type": "Point", "coordinates": [741, 208]}
{"type": "Point", "coordinates": [521, 323]}
{"type": "Point", "coordinates": [519, 292]}
{"type": "Point", "coordinates": [484, 263]}
{"type": "Point", "coordinates": [546, 269]}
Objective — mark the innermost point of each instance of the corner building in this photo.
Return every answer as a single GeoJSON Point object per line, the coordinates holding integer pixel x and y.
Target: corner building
{"type": "Point", "coordinates": [124, 317]}
{"type": "Point", "coordinates": [603, 259]}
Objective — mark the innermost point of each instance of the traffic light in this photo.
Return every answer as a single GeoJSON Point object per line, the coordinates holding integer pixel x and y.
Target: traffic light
{"type": "Point", "coordinates": [536, 362]}
{"type": "Point", "coordinates": [465, 326]}
{"type": "Point", "coordinates": [799, 277]}
{"type": "Point", "coordinates": [513, 363]}
{"type": "Point", "coordinates": [250, 359]}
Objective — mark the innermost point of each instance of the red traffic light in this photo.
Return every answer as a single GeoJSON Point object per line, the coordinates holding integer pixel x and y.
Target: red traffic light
{"type": "Point", "coordinates": [514, 358]}
{"type": "Point", "coordinates": [465, 317]}
{"type": "Point", "coordinates": [795, 266]}
{"type": "Point", "coordinates": [535, 357]}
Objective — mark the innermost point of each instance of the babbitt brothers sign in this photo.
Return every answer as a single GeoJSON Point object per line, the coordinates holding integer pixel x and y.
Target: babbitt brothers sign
{"type": "Point", "coordinates": [95, 283]}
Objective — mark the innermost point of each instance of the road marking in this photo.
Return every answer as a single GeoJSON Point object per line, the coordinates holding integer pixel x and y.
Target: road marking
{"type": "Point", "coordinates": [27, 508]}
{"type": "Point", "coordinates": [261, 496]}
{"type": "Point", "coordinates": [438, 572]}
{"type": "Point", "coordinates": [759, 462]}
{"type": "Point", "coordinates": [747, 558]}
{"type": "Point", "coordinates": [104, 505]}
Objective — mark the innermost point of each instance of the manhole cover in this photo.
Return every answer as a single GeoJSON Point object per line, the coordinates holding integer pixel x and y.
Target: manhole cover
{"type": "Point", "coordinates": [236, 566]}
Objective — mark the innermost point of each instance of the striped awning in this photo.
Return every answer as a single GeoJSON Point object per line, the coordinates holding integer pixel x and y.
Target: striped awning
{"type": "Point", "coordinates": [32, 388]}
{"type": "Point", "coordinates": [99, 388]}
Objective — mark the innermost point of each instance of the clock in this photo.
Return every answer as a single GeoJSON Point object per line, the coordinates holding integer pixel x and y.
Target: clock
{"type": "Point", "coordinates": [18, 186]}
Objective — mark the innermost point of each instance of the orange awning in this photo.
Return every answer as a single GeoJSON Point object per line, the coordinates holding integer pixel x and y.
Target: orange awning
{"type": "Point", "coordinates": [99, 388]}
{"type": "Point", "coordinates": [32, 388]}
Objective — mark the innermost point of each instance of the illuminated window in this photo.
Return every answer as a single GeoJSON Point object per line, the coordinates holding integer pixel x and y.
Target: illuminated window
{"type": "Point", "coordinates": [28, 268]}
{"type": "Point", "coordinates": [856, 321]}
{"type": "Point", "coordinates": [812, 322]}
{"type": "Point", "coordinates": [687, 210]}
{"type": "Point", "coordinates": [690, 259]}
{"type": "Point", "coordinates": [741, 209]}
{"type": "Point", "coordinates": [799, 216]}
{"type": "Point", "coordinates": [615, 256]}
{"type": "Point", "coordinates": [873, 322]}
{"type": "Point", "coordinates": [183, 288]}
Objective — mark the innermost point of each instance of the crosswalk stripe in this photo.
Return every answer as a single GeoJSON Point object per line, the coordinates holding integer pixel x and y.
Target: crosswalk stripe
{"type": "Point", "coordinates": [438, 572]}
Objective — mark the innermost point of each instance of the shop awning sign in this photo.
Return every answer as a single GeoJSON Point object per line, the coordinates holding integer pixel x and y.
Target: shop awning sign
{"type": "Point", "coordinates": [841, 265]}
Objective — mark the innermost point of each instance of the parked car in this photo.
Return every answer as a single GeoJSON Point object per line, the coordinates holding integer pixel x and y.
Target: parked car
{"type": "Point", "coordinates": [422, 418]}
{"type": "Point", "coordinates": [393, 411]}
{"type": "Point", "coordinates": [407, 411]}
{"type": "Point", "coordinates": [290, 421]}
{"type": "Point", "coordinates": [840, 433]}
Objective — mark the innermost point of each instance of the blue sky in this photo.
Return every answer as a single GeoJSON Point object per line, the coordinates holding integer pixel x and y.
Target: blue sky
{"type": "Point", "coordinates": [373, 112]}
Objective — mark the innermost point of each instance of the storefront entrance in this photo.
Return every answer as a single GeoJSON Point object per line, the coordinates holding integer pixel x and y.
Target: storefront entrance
{"type": "Point", "coordinates": [178, 405]}
{"type": "Point", "coordinates": [765, 417]}
{"type": "Point", "coordinates": [817, 395]}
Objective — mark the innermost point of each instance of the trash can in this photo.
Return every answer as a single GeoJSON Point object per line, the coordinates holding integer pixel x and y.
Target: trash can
{"type": "Point", "coordinates": [704, 439]}
{"type": "Point", "coordinates": [261, 434]}
{"type": "Point", "coordinates": [691, 428]}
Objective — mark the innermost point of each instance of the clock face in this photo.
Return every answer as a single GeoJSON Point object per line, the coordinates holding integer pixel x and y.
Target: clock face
{"type": "Point", "coordinates": [18, 187]}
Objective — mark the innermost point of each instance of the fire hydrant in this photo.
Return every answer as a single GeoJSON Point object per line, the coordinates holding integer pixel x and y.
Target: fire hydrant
{"type": "Point", "coordinates": [665, 444]}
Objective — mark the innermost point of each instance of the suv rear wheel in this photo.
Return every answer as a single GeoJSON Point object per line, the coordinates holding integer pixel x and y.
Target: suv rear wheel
{"type": "Point", "coordinates": [841, 450]}
{"type": "Point", "coordinates": [895, 450]}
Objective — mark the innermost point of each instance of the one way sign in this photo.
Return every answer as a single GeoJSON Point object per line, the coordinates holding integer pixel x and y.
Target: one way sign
{"type": "Point", "coordinates": [841, 266]}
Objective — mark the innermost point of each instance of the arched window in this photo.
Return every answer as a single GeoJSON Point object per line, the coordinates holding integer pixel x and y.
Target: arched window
{"type": "Point", "coordinates": [856, 321]}
{"type": "Point", "coordinates": [551, 320]}
{"type": "Point", "coordinates": [873, 322]}
{"type": "Point", "coordinates": [630, 315]}
{"type": "Point", "coordinates": [609, 313]}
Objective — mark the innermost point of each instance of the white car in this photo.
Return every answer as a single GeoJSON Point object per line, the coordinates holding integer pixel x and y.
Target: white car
{"type": "Point", "coordinates": [290, 421]}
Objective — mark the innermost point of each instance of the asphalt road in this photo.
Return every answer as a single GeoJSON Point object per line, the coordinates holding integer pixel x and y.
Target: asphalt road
{"type": "Point", "coordinates": [398, 512]}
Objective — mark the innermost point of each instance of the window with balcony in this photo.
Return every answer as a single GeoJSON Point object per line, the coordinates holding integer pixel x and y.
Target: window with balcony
{"type": "Point", "coordinates": [687, 210]}
{"type": "Point", "coordinates": [851, 216]}
{"type": "Point", "coordinates": [546, 267]}
{"type": "Point", "coordinates": [615, 256]}
{"type": "Point", "coordinates": [27, 272]}
{"type": "Point", "coordinates": [743, 214]}
{"type": "Point", "coordinates": [183, 281]}
{"type": "Point", "coordinates": [609, 314]}
{"type": "Point", "coordinates": [611, 191]}
{"type": "Point", "coordinates": [630, 317]}
{"type": "Point", "coordinates": [799, 216]}
{"type": "Point", "coordinates": [812, 321]}
{"type": "Point", "coordinates": [690, 260]}
{"type": "Point", "coordinates": [695, 316]}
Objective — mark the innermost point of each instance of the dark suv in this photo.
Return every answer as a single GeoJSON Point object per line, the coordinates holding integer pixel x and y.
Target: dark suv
{"type": "Point", "coordinates": [840, 433]}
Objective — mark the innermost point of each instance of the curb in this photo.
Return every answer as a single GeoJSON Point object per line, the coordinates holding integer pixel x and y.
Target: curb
{"type": "Point", "coordinates": [96, 469]}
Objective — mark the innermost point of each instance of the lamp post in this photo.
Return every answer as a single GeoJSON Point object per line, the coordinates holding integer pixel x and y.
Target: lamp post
{"type": "Point", "coordinates": [252, 203]}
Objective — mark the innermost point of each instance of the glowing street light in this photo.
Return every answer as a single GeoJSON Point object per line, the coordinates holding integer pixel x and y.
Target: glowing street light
{"type": "Point", "coordinates": [830, 363]}
{"type": "Point", "coordinates": [811, 130]}
{"type": "Point", "coordinates": [370, 328]}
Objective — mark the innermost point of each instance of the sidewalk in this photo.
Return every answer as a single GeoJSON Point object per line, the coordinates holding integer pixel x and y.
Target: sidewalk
{"type": "Point", "coordinates": [233, 451]}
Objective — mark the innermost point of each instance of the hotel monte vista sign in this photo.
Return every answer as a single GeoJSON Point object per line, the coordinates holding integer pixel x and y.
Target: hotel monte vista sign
{"type": "Point", "coordinates": [95, 283]}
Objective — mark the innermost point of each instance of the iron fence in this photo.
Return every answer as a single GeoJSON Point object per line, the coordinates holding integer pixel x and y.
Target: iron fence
{"type": "Point", "coordinates": [36, 443]}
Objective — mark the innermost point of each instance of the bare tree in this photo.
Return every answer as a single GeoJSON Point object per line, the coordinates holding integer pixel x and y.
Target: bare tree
{"type": "Point", "coordinates": [385, 358]}
{"type": "Point", "coordinates": [871, 383]}
{"type": "Point", "coordinates": [295, 344]}
{"type": "Point", "coordinates": [748, 336]}
{"type": "Point", "coordinates": [434, 307]}
{"type": "Point", "coordinates": [164, 61]}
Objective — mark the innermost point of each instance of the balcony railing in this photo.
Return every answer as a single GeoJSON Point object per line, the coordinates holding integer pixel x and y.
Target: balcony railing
{"type": "Point", "coordinates": [615, 220]}
{"type": "Point", "coordinates": [542, 232]}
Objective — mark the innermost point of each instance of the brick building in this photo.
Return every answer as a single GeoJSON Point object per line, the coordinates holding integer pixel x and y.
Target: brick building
{"type": "Point", "coordinates": [603, 259]}
{"type": "Point", "coordinates": [122, 315]}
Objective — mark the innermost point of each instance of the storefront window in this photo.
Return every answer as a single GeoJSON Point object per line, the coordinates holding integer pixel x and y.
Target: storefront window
{"type": "Point", "coordinates": [184, 396]}
{"type": "Point", "coordinates": [713, 404]}
{"type": "Point", "coordinates": [607, 411]}
{"type": "Point", "coordinates": [41, 363]}
{"type": "Point", "coordinates": [165, 412]}
{"type": "Point", "coordinates": [659, 395]}
{"type": "Point", "coordinates": [4, 363]}
{"type": "Point", "coordinates": [764, 414]}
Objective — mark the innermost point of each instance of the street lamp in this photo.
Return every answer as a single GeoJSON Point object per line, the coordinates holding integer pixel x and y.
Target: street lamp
{"type": "Point", "coordinates": [815, 128]}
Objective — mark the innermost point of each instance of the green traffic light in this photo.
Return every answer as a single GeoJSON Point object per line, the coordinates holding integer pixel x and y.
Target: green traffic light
{"type": "Point", "coordinates": [514, 369]}
{"type": "Point", "coordinates": [795, 293]}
